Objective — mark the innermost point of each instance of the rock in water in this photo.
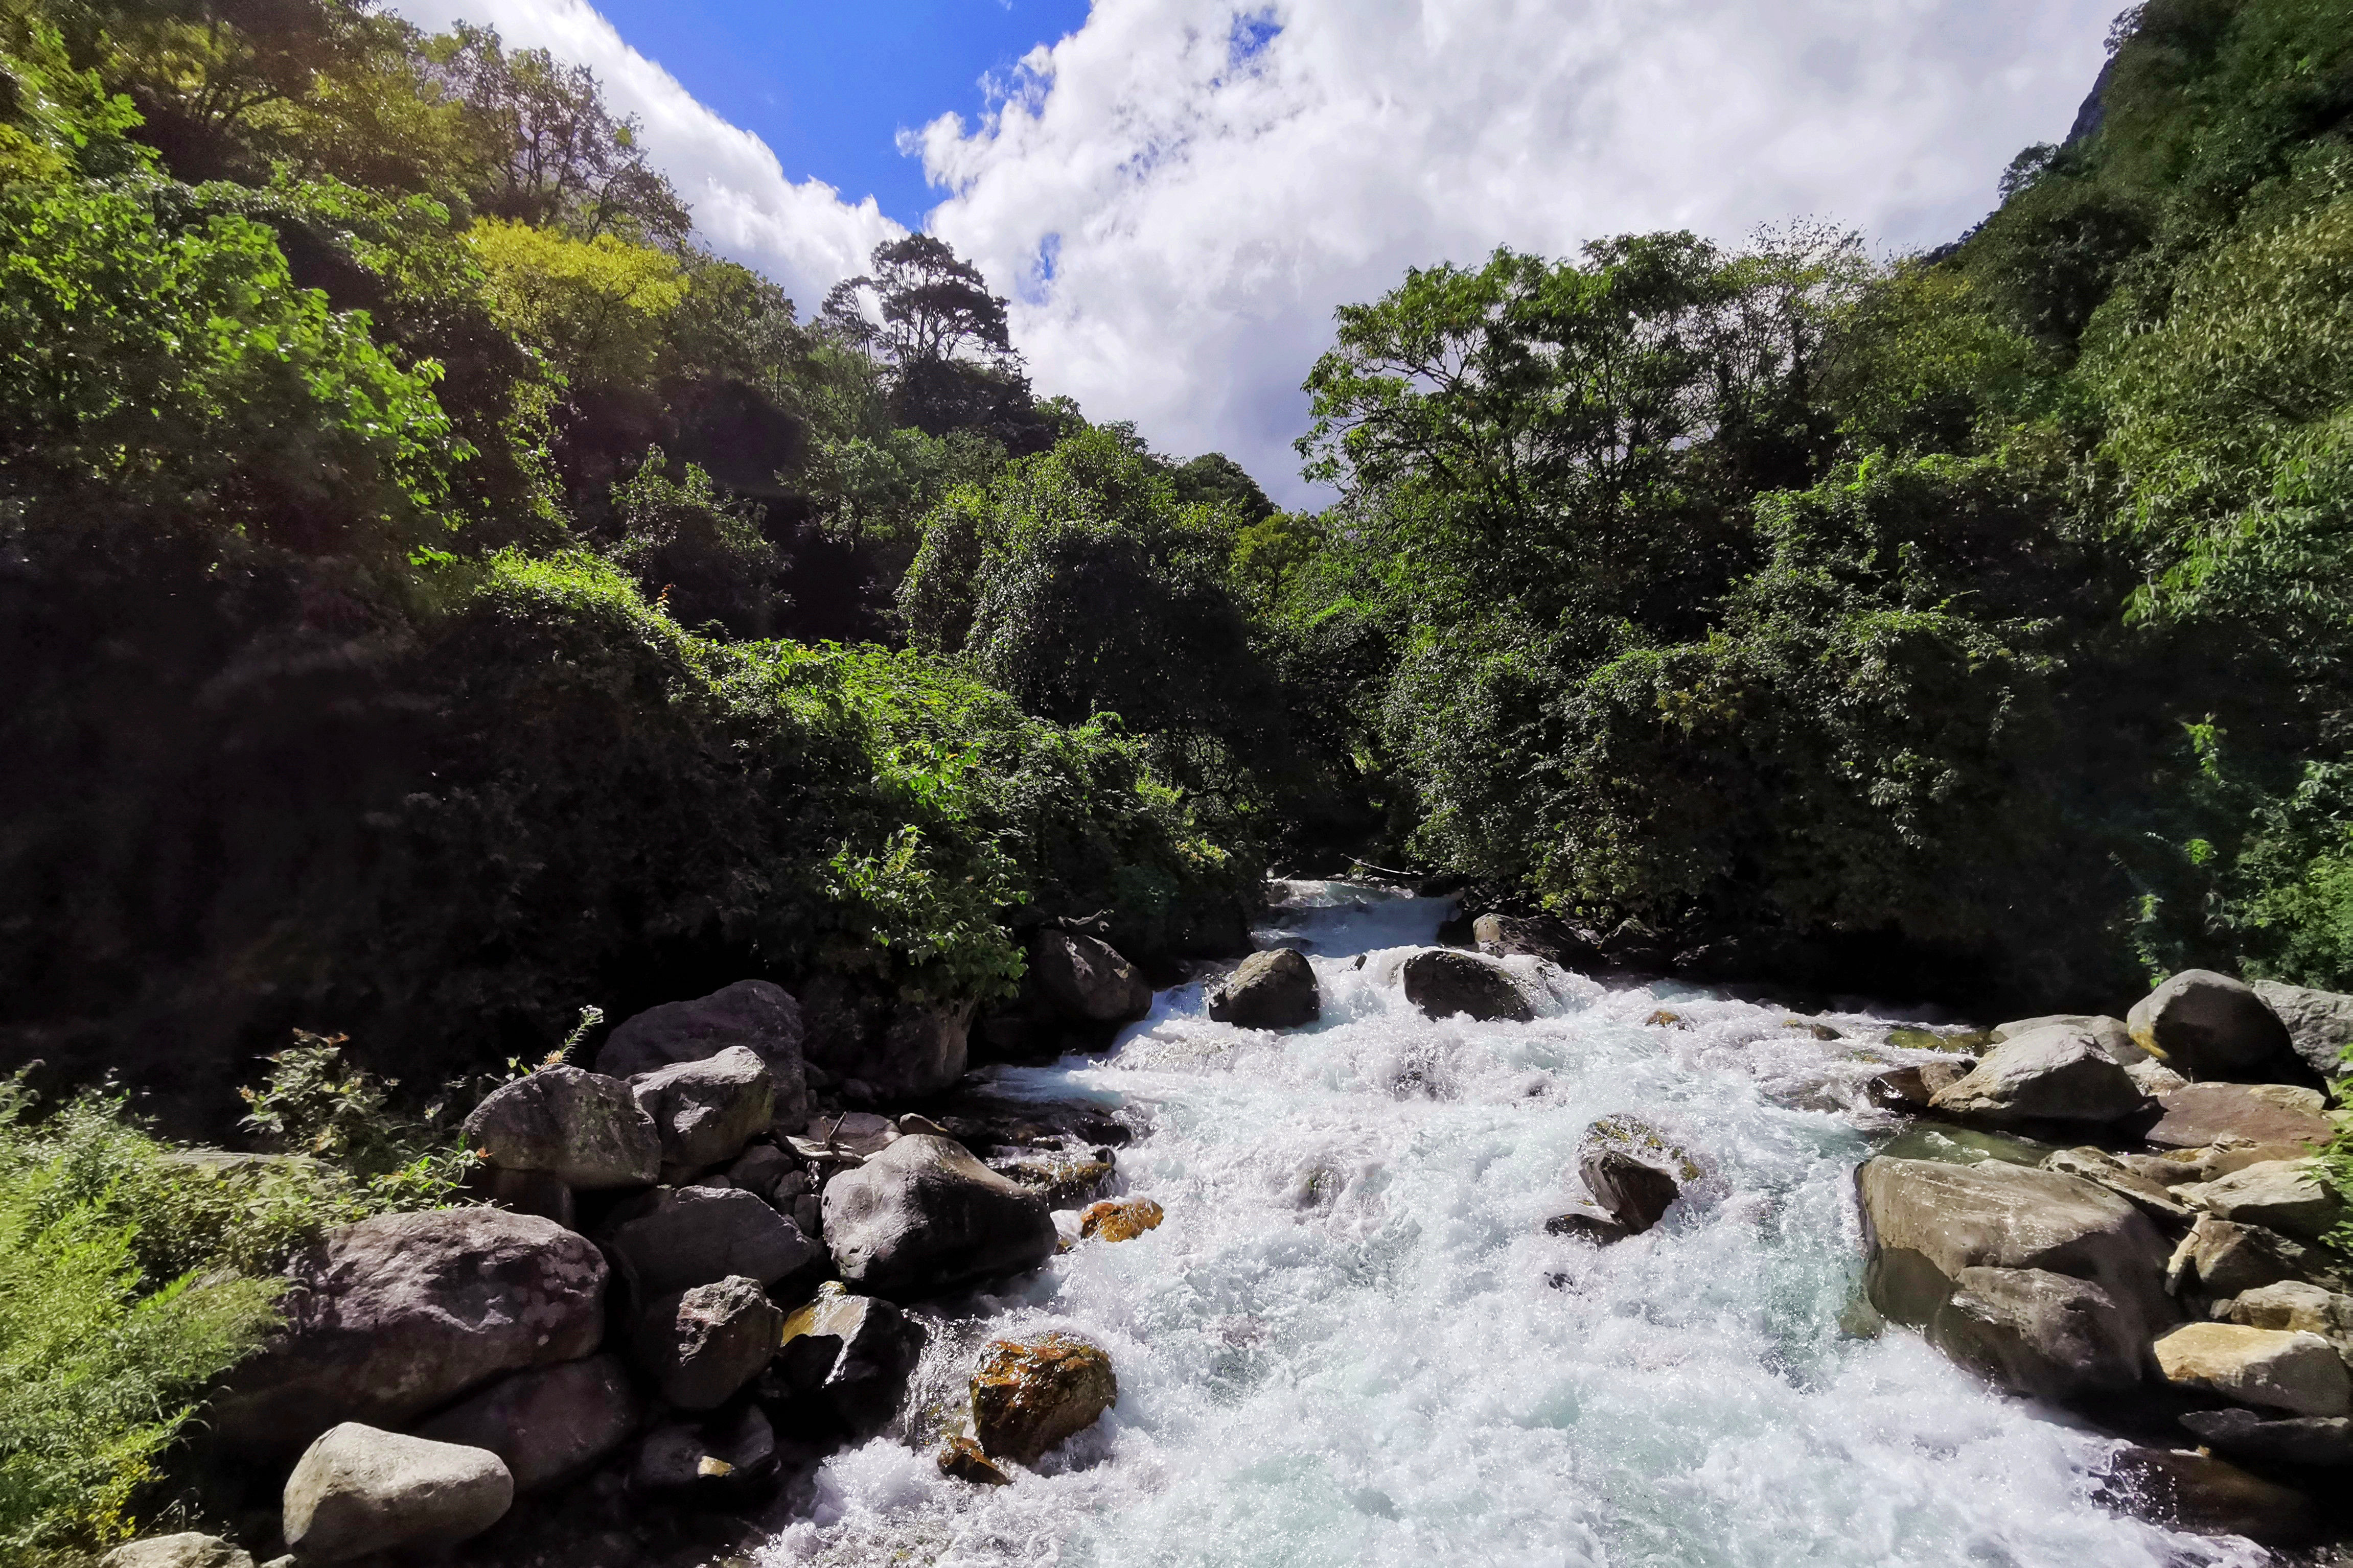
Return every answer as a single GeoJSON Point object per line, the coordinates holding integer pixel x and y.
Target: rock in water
{"type": "Point", "coordinates": [2299, 1372]}
{"type": "Point", "coordinates": [699, 1346]}
{"type": "Point", "coordinates": [357, 1492]}
{"type": "Point", "coordinates": [2262, 1113]}
{"type": "Point", "coordinates": [715, 1460]}
{"type": "Point", "coordinates": [707, 1111]}
{"type": "Point", "coordinates": [1087, 979]}
{"type": "Point", "coordinates": [1562, 945]}
{"type": "Point", "coordinates": [2056, 1074]}
{"type": "Point", "coordinates": [961, 1459]}
{"type": "Point", "coordinates": [1269, 990]}
{"type": "Point", "coordinates": [549, 1426]}
{"type": "Point", "coordinates": [391, 1317]}
{"type": "Point", "coordinates": [762, 1017]}
{"type": "Point", "coordinates": [1119, 1219]}
{"type": "Point", "coordinates": [846, 1360]}
{"type": "Point", "coordinates": [674, 1238]}
{"type": "Point", "coordinates": [1443, 983]}
{"type": "Point", "coordinates": [1030, 1395]}
{"type": "Point", "coordinates": [923, 1216]}
{"type": "Point", "coordinates": [2044, 1335]}
{"type": "Point", "coordinates": [2319, 1024]}
{"type": "Point", "coordinates": [2209, 1026]}
{"type": "Point", "coordinates": [188, 1550]}
{"type": "Point", "coordinates": [2282, 1194]}
{"type": "Point", "coordinates": [581, 1128]}
{"type": "Point", "coordinates": [1910, 1089]}
{"type": "Point", "coordinates": [2192, 1491]}
{"type": "Point", "coordinates": [1634, 1172]}
{"type": "Point", "coordinates": [2321, 1441]}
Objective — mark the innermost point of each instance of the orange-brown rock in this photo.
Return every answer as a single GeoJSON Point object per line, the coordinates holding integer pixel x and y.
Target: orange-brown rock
{"type": "Point", "coordinates": [1029, 1395]}
{"type": "Point", "coordinates": [962, 1459]}
{"type": "Point", "coordinates": [1120, 1219]}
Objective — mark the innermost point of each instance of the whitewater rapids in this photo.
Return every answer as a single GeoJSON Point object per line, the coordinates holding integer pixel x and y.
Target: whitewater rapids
{"type": "Point", "coordinates": [1351, 1342]}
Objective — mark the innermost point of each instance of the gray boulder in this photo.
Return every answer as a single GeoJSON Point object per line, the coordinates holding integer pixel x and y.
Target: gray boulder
{"type": "Point", "coordinates": [1274, 990]}
{"type": "Point", "coordinates": [187, 1550]}
{"type": "Point", "coordinates": [1087, 980]}
{"type": "Point", "coordinates": [699, 1346]}
{"type": "Point", "coordinates": [845, 1362]}
{"type": "Point", "coordinates": [756, 1014]}
{"type": "Point", "coordinates": [922, 1216]}
{"type": "Point", "coordinates": [2285, 1196]}
{"type": "Point", "coordinates": [706, 1111]}
{"type": "Point", "coordinates": [389, 1318]}
{"type": "Point", "coordinates": [2323, 1442]}
{"type": "Point", "coordinates": [2319, 1024]}
{"type": "Point", "coordinates": [581, 1128]}
{"type": "Point", "coordinates": [1926, 1222]}
{"type": "Point", "coordinates": [548, 1426]}
{"type": "Point", "coordinates": [2259, 1114]}
{"type": "Point", "coordinates": [2208, 1025]}
{"type": "Point", "coordinates": [2043, 1335]}
{"type": "Point", "coordinates": [357, 1492]}
{"type": "Point", "coordinates": [1442, 982]}
{"type": "Point", "coordinates": [2055, 1074]}
{"type": "Point", "coordinates": [674, 1238]}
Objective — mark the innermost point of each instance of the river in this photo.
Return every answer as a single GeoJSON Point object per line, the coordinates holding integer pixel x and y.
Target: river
{"type": "Point", "coordinates": [1351, 1342]}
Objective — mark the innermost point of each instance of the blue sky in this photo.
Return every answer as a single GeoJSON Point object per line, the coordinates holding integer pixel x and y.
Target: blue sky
{"type": "Point", "coordinates": [829, 86]}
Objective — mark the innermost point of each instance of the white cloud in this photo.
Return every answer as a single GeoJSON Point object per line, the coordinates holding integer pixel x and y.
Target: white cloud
{"type": "Point", "coordinates": [1208, 194]}
{"type": "Point", "coordinates": [802, 236]}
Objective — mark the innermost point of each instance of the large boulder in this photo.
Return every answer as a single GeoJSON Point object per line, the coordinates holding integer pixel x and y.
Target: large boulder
{"type": "Point", "coordinates": [389, 1318]}
{"type": "Point", "coordinates": [2044, 1335]}
{"type": "Point", "coordinates": [1928, 1222]}
{"type": "Point", "coordinates": [581, 1128]}
{"type": "Point", "coordinates": [697, 1347]}
{"type": "Point", "coordinates": [1028, 1396]}
{"type": "Point", "coordinates": [2199, 1493]}
{"type": "Point", "coordinates": [706, 1111]}
{"type": "Point", "coordinates": [756, 1014]}
{"type": "Point", "coordinates": [2209, 1026]}
{"type": "Point", "coordinates": [2319, 1023]}
{"type": "Point", "coordinates": [2323, 1442]}
{"type": "Point", "coordinates": [2293, 1304]}
{"type": "Point", "coordinates": [2223, 1258]}
{"type": "Point", "coordinates": [187, 1550]}
{"type": "Point", "coordinates": [1269, 990]}
{"type": "Point", "coordinates": [1558, 942]}
{"type": "Point", "coordinates": [2260, 1113]}
{"type": "Point", "coordinates": [546, 1425]}
{"type": "Point", "coordinates": [358, 1492]}
{"type": "Point", "coordinates": [2111, 1034]}
{"type": "Point", "coordinates": [1442, 982]}
{"type": "Point", "coordinates": [2278, 1368]}
{"type": "Point", "coordinates": [2282, 1194]}
{"type": "Point", "coordinates": [1087, 980]}
{"type": "Point", "coordinates": [1633, 1171]}
{"type": "Point", "coordinates": [922, 1216]}
{"type": "Point", "coordinates": [2054, 1074]}
{"type": "Point", "coordinates": [845, 1362]}
{"type": "Point", "coordinates": [674, 1238]}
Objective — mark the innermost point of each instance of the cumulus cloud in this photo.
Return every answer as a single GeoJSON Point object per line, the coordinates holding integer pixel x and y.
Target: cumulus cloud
{"type": "Point", "coordinates": [1178, 195]}
{"type": "Point", "coordinates": [805, 236]}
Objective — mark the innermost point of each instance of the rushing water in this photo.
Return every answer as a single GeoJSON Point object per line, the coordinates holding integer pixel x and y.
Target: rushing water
{"type": "Point", "coordinates": [1352, 1343]}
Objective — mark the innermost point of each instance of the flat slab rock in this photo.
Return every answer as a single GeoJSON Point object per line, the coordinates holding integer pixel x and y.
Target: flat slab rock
{"type": "Point", "coordinates": [2260, 1113]}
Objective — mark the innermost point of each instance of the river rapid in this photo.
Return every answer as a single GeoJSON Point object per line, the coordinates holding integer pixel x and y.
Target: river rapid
{"type": "Point", "coordinates": [1351, 1342]}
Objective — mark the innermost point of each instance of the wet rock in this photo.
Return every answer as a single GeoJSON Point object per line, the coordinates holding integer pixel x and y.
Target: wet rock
{"type": "Point", "coordinates": [2319, 1024]}
{"type": "Point", "coordinates": [1269, 990]}
{"type": "Point", "coordinates": [2209, 1496]}
{"type": "Point", "coordinates": [2292, 1304]}
{"type": "Point", "coordinates": [2299, 1372]}
{"type": "Point", "coordinates": [1947, 1143]}
{"type": "Point", "coordinates": [2323, 1442]}
{"type": "Point", "coordinates": [1665, 1019]}
{"type": "Point", "coordinates": [961, 1459]}
{"type": "Point", "coordinates": [1927, 1222]}
{"type": "Point", "coordinates": [391, 1317]}
{"type": "Point", "coordinates": [715, 1461]}
{"type": "Point", "coordinates": [1910, 1089]}
{"type": "Point", "coordinates": [2204, 1114]}
{"type": "Point", "coordinates": [2208, 1025]}
{"type": "Point", "coordinates": [187, 1550]}
{"type": "Point", "coordinates": [674, 1238]}
{"type": "Point", "coordinates": [1064, 1178]}
{"type": "Point", "coordinates": [1087, 980]}
{"type": "Point", "coordinates": [581, 1128]}
{"type": "Point", "coordinates": [2044, 1335]}
{"type": "Point", "coordinates": [548, 1426]}
{"type": "Point", "coordinates": [2220, 1259]}
{"type": "Point", "coordinates": [762, 1017]}
{"type": "Point", "coordinates": [1634, 1172]}
{"type": "Point", "coordinates": [923, 1216]}
{"type": "Point", "coordinates": [1443, 983]}
{"type": "Point", "coordinates": [1121, 1219]}
{"type": "Point", "coordinates": [2285, 1196]}
{"type": "Point", "coordinates": [2111, 1034]}
{"type": "Point", "coordinates": [1971, 1042]}
{"type": "Point", "coordinates": [2055, 1074]}
{"type": "Point", "coordinates": [357, 1492]}
{"type": "Point", "coordinates": [845, 1362]}
{"type": "Point", "coordinates": [706, 1111]}
{"type": "Point", "coordinates": [1027, 1395]}
{"type": "Point", "coordinates": [1558, 943]}
{"type": "Point", "coordinates": [2150, 1197]}
{"type": "Point", "coordinates": [699, 1346]}
{"type": "Point", "coordinates": [1587, 1223]}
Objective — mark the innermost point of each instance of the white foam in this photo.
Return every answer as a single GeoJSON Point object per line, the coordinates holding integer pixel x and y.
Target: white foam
{"type": "Point", "coordinates": [1351, 1343]}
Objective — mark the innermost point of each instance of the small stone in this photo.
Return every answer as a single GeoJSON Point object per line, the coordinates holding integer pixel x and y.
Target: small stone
{"type": "Point", "coordinates": [1274, 990]}
{"type": "Point", "coordinates": [714, 1460]}
{"type": "Point", "coordinates": [1120, 1219]}
{"type": "Point", "coordinates": [1028, 1396]}
{"type": "Point", "coordinates": [961, 1459]}
{"type": "Point", "coordinates": [357, 1492]}
{"type": "Point", "coordinates": [2225, 1258]}
{"type": "Point", "coordinates": [2154, 1078]}
{"type": "Point", "coordinates": [1663, 1019]}
{"type": "Point", "coordinates": [2112, 1034]}
{"type": "Point", "coordinates": [2299, 1372]}
{"type": "Point", "coordinates": [1633, 1169]}
{"type": "Point", "coordinates": [1587, 1224]}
